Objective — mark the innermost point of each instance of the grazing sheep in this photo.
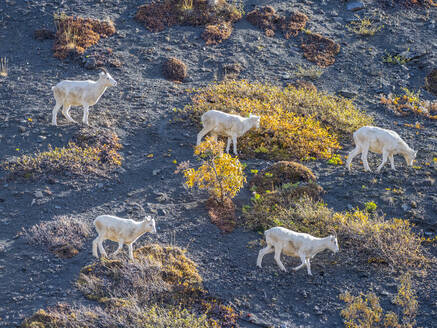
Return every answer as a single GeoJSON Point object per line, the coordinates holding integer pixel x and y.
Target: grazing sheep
{"type": "Point", "coordinates": [123, 231]}
{"type": "Point", "coordinates": [232, 126]}
{"type": "Point", "coordinates": [295, 244]}
{"type": "Point", "coordinates": [80, 93]}
{"type": "Point", "coordinates": [380, 141]}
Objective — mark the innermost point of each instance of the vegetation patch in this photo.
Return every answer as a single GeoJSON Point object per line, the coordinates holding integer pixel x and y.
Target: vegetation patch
{"type": "Point", "coordinates": [75, 34]}
{"type": "Point", "coordinates": [218, 19]}
{"type": "Point", "coordinates": [216, 33]}
{"type": "Point", "coordinates": [365, 310]}
{"type": "Point", "coordinates": [91, 153]}
{"type": "Point", "coordinates": [285, 175]}
{"type": "Point", "coordinates": [362, 234]}
{"type": "Point", "coordinates": [63, 235]}
{"type": "Point", "coordinates": [269, 21]}
{"type": "Point", "coordinates": [125, 315]}
{"type": "Point", "coordinates": [222, 175]}
{"type": "Point", "coordinates": [410, 103]}
{"type": "Point", "coordinates": [295, 122]}
{"type": "Point", "coordinates": [174, 69]}
{"type": "Point", "coordinates": [158, 274]}
{"type": "Point", "coordinates": [363, 26]}
{"type": "Point", "coordinates": [319, 49]}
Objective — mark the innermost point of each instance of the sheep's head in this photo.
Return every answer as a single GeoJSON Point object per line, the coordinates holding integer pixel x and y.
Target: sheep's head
{"type": "Point", "coordinates": [108, 80]}
{"type": "Point", "coordinates": [333, 243]}
{"type": "Point", "coordinates": [255, 119]}
{"type": "Point", "coordinates": [410, 156]}
{"type": "Point", "coordinates": [150, 224]}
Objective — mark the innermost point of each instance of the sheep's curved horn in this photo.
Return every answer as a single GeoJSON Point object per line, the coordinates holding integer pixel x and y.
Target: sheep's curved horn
{"type": "Point", "coordinates": [104, 70]}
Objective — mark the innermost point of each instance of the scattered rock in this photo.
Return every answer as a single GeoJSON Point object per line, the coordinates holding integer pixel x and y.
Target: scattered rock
{"type": "Point", "coordinates": [39, 194]}
{"type": "Point", "coordinates": [431, 82]}
{"type": "Point", "coordinates": [355, 5]}
{"type": "Point", "coordinates": [22, 129]}
{"type": "Point", "coordinates": [90, 63]}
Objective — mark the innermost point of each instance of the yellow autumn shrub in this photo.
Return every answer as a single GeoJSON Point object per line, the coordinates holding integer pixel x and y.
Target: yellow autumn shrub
{"type": "Point", "coordinates": [221, 174]}
{"type": "Point", "coordinates": [295, 122]}
{"type": "Point", "coordinates": [365, 311]}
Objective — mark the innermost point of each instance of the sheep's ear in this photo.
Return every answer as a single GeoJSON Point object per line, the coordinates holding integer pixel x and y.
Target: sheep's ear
{"type": "Point", "coordinates": [102, 73]}
{"type": "Point", "coordinates": [148, 218]}
{"type": "Point", "coordinates": [415, 153]}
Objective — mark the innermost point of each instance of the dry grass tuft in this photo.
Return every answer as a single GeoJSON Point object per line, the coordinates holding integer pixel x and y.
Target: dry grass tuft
{"type": "Point", "coordinates": [63, 235]}
{"type": "Point", "coordinates": [81, 157]}
{"type": "Point", "coordinates": [295, 122]}
{"type": "Point", "coordinates": [269, 21]}
{"type": "Point", "coordinates": [218, 20]}
{"type": "Point", "coordinates": [174, 69]}
{"type": "Point", "coordinates": [75, 34]}
{"type": "Point", "coordinates": [216, 33]}
{"type": "Point", "coordinates": [319, 49]}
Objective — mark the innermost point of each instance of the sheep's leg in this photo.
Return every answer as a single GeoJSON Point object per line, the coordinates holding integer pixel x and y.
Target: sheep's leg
{"type": "Point", "coordinates": [55, 112]}
{"type": "Point", "coordinates": [308, 264]}
{"type": "Point", "coordinates": [120, 246]}
{"type": "Point", "coordinates": [351, 156]}
{"type": "Point", "coordinates": [131, 251]}
{"type": "Point", "coordinates": [86, 110]}
{"type": "Point", "coordinates": [266, 250]}
{"type": "Point", "coordinates": [101, 249]}
{"type": "Point", "coordinates": [95, 242]}
{"type": "Point", "coordinates": [364, 158]}
{"type": "Point", "coordinates": [302, 258]}
{"type": "Point", "coordinates": [392, 162]}
{"type": "Point", "coordinates": [66, 113]}
{"type": "Point", "coordinates": [234, 141]}
{"type": "Point", "coordinates": [201, 134]}
{"type": "Point", "coordinates": [384, 160]}
{"type": "Point", "coordinates": [229, 144]}
{"type": "Point", "coordinates": [278, 258]}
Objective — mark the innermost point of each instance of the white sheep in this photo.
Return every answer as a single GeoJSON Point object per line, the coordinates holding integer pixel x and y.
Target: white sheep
{"type": "Point", "coordinates": [80, 93]}
{"type": "Point", "coordinates": [380, 141]}
{"type": "Point", "coordinates": [295, 244]}
{"type": "Point", "coordinates": [232, 126]}
{"type": "Point", "coordinates": [123, 231]}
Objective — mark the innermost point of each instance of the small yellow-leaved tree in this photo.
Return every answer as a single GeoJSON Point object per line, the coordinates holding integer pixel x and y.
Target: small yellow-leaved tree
{"type": "Point", "coordinates": [219, 173]}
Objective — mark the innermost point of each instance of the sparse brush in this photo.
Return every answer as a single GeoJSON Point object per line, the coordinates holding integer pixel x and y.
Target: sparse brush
{"type": "Point", "coordinates": [310, 72]}
{"type": "Point", "coordinates": [125, 314]}
{"type": "Point", "coordinates": [3, 66]}
{"type": "Point", "coordinates": [365, 310]}
{"type": "Point", "coordinates": [158, 273]}
{"type": "Point", "coordinates": [78, 157]}
{"type": "Point", "coordinates": [410, 103]}
{"type": "Point", "coordinates": [389, 241]}
{"type": "Point", "coordinates": [62, 235]}
{"type": "Point", "coordinates": [363, 26]}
